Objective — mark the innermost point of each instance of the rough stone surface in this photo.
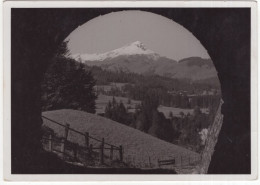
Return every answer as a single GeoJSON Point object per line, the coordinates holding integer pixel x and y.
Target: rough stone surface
{"type": "Point", "coordinates": [208, 151]}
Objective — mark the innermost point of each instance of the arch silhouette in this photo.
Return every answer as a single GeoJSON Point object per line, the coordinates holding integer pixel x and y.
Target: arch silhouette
{"type": "Point", "coordinates": [224, 32]}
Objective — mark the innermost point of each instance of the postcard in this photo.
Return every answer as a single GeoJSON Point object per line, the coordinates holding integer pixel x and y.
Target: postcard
{"type": "Point", "coordinates": [129, 90]}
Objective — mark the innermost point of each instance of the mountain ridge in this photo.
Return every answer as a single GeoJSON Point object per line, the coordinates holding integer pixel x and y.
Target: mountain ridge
{"type": "Point", "coordinates": [137, 58]}
{"type": "Point", "coordinates": [136, 47]}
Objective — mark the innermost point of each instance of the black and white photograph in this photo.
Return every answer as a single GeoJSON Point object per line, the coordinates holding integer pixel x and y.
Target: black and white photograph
{"type": "Point", "coordinates": [131, 90]}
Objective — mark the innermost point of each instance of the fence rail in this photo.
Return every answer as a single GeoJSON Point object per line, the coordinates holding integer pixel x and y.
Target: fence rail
{"type": "Point", "coordinates": [83, 134]}
{"type": "Point", "coordinates": [87, 150]}
{"type": "Point", "coordinates": [166, 162]}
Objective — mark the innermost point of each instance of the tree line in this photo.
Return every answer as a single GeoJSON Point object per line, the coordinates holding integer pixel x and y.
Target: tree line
{"type": "Point", "coordinates": [181, 93]}
{"type": "Point", "coordinates": [105, 77]}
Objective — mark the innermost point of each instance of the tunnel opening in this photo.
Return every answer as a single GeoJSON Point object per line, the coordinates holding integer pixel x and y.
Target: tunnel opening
{"type": "Point", "coordinates": [221, 45]}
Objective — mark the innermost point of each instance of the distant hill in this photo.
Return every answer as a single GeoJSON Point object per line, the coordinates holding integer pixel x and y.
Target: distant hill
{"type": "Point", "coordinates": [138, 146]}
{"type": "Point", "coordinates": [135, 57]}
{"type": "Point", "coordinates": [197, 61]}
{"type": "Point", "coordinates": [214, 81]}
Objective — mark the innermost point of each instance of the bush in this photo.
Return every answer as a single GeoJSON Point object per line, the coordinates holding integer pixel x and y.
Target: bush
{"type": "Point", "coordinates": [117, 112]}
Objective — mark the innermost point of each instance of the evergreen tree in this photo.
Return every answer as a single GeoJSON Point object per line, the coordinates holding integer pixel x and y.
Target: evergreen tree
{"type": "Point", "coordinates": [154, 129]}
{"type": "Point", "coordinates": [117, 112]}
{"type": "Point", "coordinates": [108, 110]}
{"type": "Point", "coordinates": [140, 122]}
{"type": "Point", "coordinates": [196, 111]}
{"type": "Point", "coordinates": [128, 101]}
{"type": "Point", "coordinates": [67, 85]}
{"type": "Point", "coordinates": [181, 114]}
{"type": "Point", "coordinates": [171, 115]}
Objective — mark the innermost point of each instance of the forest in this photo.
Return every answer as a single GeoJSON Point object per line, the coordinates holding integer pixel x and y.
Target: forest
{"type": "Point", "coordinates": [171, 92]}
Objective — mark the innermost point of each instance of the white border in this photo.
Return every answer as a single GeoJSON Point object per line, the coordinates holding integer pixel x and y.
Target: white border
{"type": "Point", "coordinates": [59, 4]}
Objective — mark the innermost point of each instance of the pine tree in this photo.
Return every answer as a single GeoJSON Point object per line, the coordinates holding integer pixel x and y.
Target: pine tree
{"type": "Point", "coordinates": [181, 114]}
{"type": "Point", "coordinates": [108, 110]}
{"type": "Point", "coordinates": [154, 129]}
{"type": "Point", "coordinates": [171, 115]}
{"type": "Point", "coordinates": [68, 85]}
{"type": "Point", "coordinates": [129, 101]}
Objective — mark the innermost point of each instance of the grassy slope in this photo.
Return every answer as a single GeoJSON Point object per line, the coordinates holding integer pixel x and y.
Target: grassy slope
{"type": "Point", "coordinates": [138, 146]}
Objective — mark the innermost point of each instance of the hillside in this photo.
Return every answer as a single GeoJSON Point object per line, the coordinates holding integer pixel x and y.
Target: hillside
{"type": "Point", "coordinates": [140, 149]}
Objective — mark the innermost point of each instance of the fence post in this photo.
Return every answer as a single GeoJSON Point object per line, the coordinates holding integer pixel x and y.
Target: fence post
{"type": "Point", "coordinates": [90, 150]}
{"type": "Point", "coordinates": [111, 153]}
{"type": "Point", "coordinates": [87, 139]}
{"type": "Point", "coordinates": [121, 153]}
{"type": "Point", "coordinates": [75, 151]}
{"type": "Point", "coordinates": [64, 140]}
{"type": "Point", "coordinates": [150, 162]}
{"type": "Point", "coordinates": [66, 131]}
{"type": "Point", "coordinates": [101, 153]}
{"type": "Point", "coordinates": [62, 148]}
{"type": "Point", "coordinates": [50, 142]}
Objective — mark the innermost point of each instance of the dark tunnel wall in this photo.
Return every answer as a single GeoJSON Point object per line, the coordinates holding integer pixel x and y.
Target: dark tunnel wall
{"type": "Point", "coordinates": [224, 32]}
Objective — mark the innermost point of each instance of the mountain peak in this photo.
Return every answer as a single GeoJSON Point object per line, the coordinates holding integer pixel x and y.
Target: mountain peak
{"type": "Point", "coordinates": [134, 48]}
{"type": "Point", "coordinates": [139, 44]}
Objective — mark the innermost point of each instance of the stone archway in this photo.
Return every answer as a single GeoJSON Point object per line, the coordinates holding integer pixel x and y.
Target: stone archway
{"type": "Point", "coordinates": [225, 33]}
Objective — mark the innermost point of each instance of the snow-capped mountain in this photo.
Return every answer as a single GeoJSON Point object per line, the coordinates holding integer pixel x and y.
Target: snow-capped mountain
{"type": "Point", "coordinates": [135, 48]}
{"type": "Point", "coordinates": [137, 58]}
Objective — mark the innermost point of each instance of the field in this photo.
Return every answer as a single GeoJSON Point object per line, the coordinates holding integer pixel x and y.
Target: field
{"type": "Point", "coordinates": [176, 111]}
{"type": "Point", "coordinates": [103, 100]}
{"type": "Point", "coordinates": [140, 149]}
{"type": "Point", "coordinates": [110, 86]}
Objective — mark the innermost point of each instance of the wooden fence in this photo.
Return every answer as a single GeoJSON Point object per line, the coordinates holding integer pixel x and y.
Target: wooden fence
{"type": "Point", "coordinates": [83, 154]}
{"type": "Point", "coordinates": [166, 162]}
{"type": "Point", "coordinates": [75, 152]}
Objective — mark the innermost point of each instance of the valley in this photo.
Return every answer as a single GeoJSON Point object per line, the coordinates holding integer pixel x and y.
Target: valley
{"type": "Point", "coordinates": [103, 100]}
{"type": "Point", "coordinates": [155, 107]}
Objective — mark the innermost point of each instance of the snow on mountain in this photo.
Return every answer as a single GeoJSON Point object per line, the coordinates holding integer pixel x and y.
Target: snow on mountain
{"type": "Point", "coordinates": [137, 58]}
{"type": "Point", "coordinates": [135, 48]}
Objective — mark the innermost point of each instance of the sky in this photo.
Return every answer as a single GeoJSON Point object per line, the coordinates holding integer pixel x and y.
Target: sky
{"type": "Point", "coordinates": [114, 30]}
